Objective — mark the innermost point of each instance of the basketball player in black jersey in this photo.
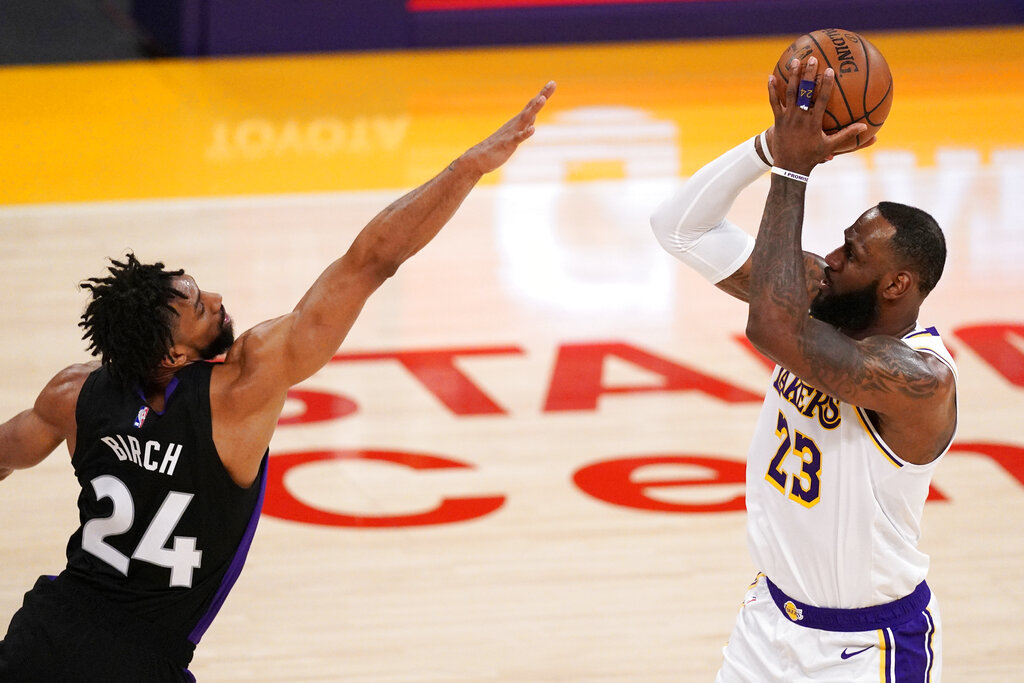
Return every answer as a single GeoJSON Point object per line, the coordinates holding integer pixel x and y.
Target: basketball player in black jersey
{"type": "Point", "coordinates": [171, 451]}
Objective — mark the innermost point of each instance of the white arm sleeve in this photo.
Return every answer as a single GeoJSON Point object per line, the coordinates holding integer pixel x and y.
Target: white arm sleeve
{"type": "Point", "coordinates": [691, 223]}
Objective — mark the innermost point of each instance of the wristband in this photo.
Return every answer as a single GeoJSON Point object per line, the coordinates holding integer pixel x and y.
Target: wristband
{"type": "Point", "coordinates": [764, 148]}
{"type": "Point", "coordinates": [792, 175]}
{"type": "Point", "coordinates": [803, 97]}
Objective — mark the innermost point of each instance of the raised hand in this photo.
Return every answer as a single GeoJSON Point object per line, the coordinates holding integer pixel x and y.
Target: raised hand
{"type": "Point", "coordinates": [495, 150]}
{"type": "Point", "coordinates": [798, 141]}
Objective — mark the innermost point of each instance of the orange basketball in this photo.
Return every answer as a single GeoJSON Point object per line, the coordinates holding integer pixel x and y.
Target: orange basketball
{"type": "Point", "coordinates": [863, 89]}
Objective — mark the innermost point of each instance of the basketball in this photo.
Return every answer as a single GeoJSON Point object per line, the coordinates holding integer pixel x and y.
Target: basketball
{"type": "Point", "coordinates": [863, 86]}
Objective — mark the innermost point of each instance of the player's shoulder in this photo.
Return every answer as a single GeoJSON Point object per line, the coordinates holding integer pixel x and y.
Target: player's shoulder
{"type": "Point", "coordinates": [254, 348]}
{"type": "Point", "coordinates": [71, 378]}
{"type": "Point", "coordinates": [917, 358]}
{"type": "Point", "coordinates": [57, 401]}
{"type": "Point", "coordinates": [252, 365]}
{"type": "Point", "coordinates": [924, 338]}
{"type": "Point", "coordinates": [933, 372]}
{"type": "Point", "coordinates": [927, 342]}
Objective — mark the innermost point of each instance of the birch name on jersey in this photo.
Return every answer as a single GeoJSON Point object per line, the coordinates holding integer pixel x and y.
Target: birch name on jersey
{"type": "Point", "coordinates": [151, 455]}
{"type": "Point", "coordinates": [809, 401]}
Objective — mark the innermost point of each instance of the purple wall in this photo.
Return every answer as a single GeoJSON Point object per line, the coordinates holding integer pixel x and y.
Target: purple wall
{"type": "Point", "coordinates": [265, 26]}
{"type": "Point", "coordinates": [219, 27]}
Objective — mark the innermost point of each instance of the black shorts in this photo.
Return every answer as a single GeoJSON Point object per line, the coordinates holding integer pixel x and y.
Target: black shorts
{"type": "Point", "coordinates": [53, 637]}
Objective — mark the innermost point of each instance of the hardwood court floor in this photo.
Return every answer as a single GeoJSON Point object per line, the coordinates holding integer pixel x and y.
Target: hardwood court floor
{"type": "Point", "coordinates": [586, 401]}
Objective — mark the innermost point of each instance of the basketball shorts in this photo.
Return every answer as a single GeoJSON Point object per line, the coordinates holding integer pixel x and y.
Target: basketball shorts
{"type": "Point", "coordinates": [776, 638]}
{"type": "Point", "coordinates": [52, 638]}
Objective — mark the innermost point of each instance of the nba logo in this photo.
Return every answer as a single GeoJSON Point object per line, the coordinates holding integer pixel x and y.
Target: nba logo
{"type": "Point", "coordinates": [141, 417]}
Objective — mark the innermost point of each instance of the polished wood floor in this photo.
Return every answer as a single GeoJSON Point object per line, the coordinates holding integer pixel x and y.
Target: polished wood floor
{"type": "Point", "coordinates": [522, 465]}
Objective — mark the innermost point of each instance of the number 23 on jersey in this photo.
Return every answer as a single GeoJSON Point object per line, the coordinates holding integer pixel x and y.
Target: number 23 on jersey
{"type": "Point", "coordinates": [805, 486]}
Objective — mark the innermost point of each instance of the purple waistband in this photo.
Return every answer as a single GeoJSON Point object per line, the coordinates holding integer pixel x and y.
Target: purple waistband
{"type": "Point", "coordinates": [848, 620]}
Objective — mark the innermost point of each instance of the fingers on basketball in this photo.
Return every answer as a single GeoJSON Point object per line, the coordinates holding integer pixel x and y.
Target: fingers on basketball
{"type": "Point", "coordinates": [793, 85]}
{"type": "Point", "coordinates": [823, 91]}
{"type": "Point", "coordinates": [863, 84]}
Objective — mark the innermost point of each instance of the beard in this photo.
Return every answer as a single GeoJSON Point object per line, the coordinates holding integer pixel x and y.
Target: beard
{"type": "Point", "coordinates": [221, 343]}
{"type": "Point", "coordinates": [851, 311]}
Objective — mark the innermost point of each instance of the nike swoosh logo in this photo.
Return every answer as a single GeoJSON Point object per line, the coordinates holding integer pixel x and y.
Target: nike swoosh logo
{"type": "Point", "coordinates": [847, 655]}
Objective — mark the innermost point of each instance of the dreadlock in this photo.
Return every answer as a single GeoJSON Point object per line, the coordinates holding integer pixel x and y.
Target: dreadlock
{"type": "Point", "coordinates": [129, 321]}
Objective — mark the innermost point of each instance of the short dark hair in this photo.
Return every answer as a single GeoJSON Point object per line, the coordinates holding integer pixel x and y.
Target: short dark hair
{"type": "Point", "coordinates": [130, 320]}
{"type": "Point", "coordinates": [918, 240]}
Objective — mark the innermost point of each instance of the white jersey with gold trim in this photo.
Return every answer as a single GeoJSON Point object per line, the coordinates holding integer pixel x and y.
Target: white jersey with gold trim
{"type": "Point", "coordinates": [833, 513]}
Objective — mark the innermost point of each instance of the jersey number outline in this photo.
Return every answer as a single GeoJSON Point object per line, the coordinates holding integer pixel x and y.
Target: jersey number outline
{"type": "Point", "coordinates": [804, 488]}
{"type": "Point", "coordinates": [181, 559]}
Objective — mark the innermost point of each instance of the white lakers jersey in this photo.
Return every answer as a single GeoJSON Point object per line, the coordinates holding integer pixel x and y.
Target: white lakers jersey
{"type": "Point", "coordinates": [833, 514]}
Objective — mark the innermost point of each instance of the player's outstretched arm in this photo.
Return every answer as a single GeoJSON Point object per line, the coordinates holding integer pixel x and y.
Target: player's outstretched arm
{"type": "Point", "coordinates": [323, 317]}
{"type": "Point", "coordinates": [248, 391]}
{"type": "Point", "coordinates": [31, 435]}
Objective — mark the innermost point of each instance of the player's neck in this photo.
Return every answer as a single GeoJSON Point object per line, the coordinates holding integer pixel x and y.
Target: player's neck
{"type": "Point", "coordinates": [894, 327]}
{"type": "Point", "coordinates": [155, 389]}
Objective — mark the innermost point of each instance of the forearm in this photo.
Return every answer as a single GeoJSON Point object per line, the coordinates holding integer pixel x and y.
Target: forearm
{"type": "Point", "coordinates": [691, 223]}
{"type": "Point", "coordinates": [703, 201]}
{"type": "Point", "coordinates": [307, 337]}
{"type": "Point", "coordinates": [408, 224]}
{"type": "Point", "coordinates": [413, 220]}
{"type": "Point", "coordinates": [778, 278]}
{"type": "Point", "coordinates": [329, 308]}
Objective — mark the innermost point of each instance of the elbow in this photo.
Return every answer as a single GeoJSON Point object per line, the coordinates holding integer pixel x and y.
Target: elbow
{"type": "Point", "coordinates": [382, 259]}
{"type": "Point", "coordinates": [385, 268]}
{"type": "Point", "coordinates": [671, 220]}
{"type": "Point", "coordinates": [662, 226]}
{"type": "Point", "coordinates": [766, 333]}
{"type": "Point", "coordinates": [756, 332]}
{"type": "Point", "coordinates": [377, 260]}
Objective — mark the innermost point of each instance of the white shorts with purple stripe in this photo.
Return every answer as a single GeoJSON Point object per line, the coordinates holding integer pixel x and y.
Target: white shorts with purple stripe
{"type": "Point", "coordinates": [777, 638]}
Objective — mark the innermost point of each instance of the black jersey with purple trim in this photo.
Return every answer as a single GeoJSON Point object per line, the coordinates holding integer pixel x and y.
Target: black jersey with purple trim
{"type": "Point", "coordinates": [164, 529]}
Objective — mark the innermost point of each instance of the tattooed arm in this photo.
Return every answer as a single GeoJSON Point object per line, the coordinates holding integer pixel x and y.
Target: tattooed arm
{"type": "Point", "coordinates": [909, 394]}
{"type": "Point", "coordinates": [738, 284]}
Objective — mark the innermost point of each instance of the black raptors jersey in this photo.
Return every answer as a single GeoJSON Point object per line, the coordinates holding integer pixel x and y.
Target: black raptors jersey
{"type": "Point", "coordinates": [164, 529]}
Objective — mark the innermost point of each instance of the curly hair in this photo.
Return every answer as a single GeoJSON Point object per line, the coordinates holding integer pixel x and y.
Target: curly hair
{"type": "Point", "coordinates": [130, 320]}
{"type": "Point", "coordinates": [918, 240]}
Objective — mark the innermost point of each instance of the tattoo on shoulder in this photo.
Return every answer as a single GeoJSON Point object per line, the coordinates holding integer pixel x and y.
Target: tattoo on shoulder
{"type": "Point", "coordinates": [882, 365]}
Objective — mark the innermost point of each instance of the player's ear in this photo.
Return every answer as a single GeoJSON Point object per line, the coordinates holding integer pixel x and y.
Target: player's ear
{"type": "Point", "coordinates": [176, 357]}
{"type": "Point", "coordinates": [899, 284]}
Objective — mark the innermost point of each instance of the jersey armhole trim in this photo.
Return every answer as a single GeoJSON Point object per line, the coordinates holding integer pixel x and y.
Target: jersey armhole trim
{"type": "Point", "coordinates": [876, 438]}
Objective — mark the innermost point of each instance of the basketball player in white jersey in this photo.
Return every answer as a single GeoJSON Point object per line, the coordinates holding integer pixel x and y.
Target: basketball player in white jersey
{"type": "Point", "coordinates": [861, 407]}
